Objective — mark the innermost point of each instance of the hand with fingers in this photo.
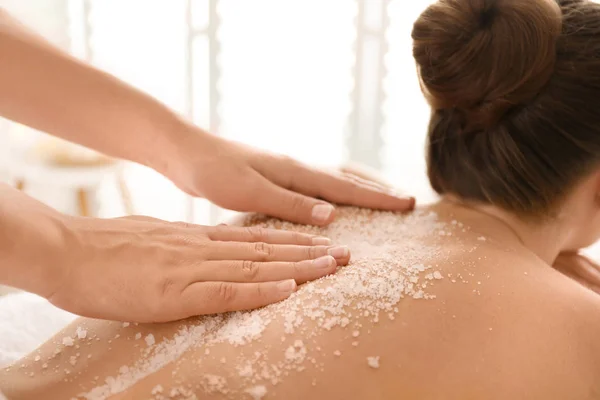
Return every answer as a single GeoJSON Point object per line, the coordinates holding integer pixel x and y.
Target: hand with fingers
{"type": "Point", "coordinates": [242, 178]}
{"type": "Point", "coordinates": [141, 269]}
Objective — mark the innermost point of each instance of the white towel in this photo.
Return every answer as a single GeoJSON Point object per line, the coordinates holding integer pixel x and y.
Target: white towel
{"type": "Point", "coordinates": [27, 321]}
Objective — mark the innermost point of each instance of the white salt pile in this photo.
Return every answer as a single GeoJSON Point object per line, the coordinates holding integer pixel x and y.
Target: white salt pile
{"type": "Point", "coordinates": [390, 256]}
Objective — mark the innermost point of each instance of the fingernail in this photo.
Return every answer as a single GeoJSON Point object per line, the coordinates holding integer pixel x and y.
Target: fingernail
{"type": "Point", "coordinates": [339, 252]}
{"type": "Point", "coordinates": [287, 287]}
{"type": "Point", "coordinates": [321, 212]}
{"type": "Point", "coordinates": [409, 199]}
{"type": "Point", "coordinates": [400, 196]}
{"type": "Point", "coordinates": [321, 241]}
{"type": "Point", "coordinates": [324, 262]}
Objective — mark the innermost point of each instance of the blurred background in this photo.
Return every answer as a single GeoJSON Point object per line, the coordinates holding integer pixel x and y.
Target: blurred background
{"type": "Point", "coordinates": [325, 81]}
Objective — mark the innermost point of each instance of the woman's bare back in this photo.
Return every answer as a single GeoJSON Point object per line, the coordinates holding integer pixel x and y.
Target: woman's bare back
{"type": "Point", "coordinates": [428, 308]}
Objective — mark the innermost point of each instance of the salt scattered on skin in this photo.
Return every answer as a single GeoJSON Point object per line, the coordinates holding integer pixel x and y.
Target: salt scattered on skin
{"type": "Point", "coordinates": [138, 336]}
{"type": "Point", "coordinates": [37, 358]}
{"type": "Point", "coordinates": [481, 238]}
{"type": "Point", "coordinates": [67, 341]}
{"type": "Point", "coordinates": [337, 353]}
{"type": "Point", "coordinates": [125, 325]}
{"type": "Point", "coordinates": [383, 245]}
{"type": "Point", "coordinates": [373, 362]}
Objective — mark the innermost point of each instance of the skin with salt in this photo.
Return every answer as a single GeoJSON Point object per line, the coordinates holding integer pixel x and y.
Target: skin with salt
{"type": "Point", "coordinates": [393, 295]}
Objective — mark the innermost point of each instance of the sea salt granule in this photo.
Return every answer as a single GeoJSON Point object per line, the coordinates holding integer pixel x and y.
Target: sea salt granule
{"type": "Point", "coordinates": [481, 238]}
{"type": "Point", "coordinates": [125, 324]}
{"type": "Point", "coordinates": [296, 353]}
{"type": "Point", "coordinates": [245, 371]}
{"type": "Point", "coordinates": [158, 389]}
{"type": "Point", "coordinates": [81, 333]}
{"type": "Point", "coordinates": [150, 340]}
{"type": "Point", "coordinates": [337, 353]}
{"type": "Point", "coordinates": [138, 336]}
{"type": "Point", "coordinates": [257, 392]}
{"type": "Point", "coordinates": [214, 383]}
{"type": "Point", "coordinates": [373, 362]}
{"type": "Point", "coordinates": [67, 341]}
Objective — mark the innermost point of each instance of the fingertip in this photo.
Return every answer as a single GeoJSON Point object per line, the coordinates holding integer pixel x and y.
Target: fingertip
{"type": "Point", "coordinates": [402, 203]}
{"type": "Point", "coordinates": [287, 287]}
{"type": "Point", "coordinates": [411, 202]}
{"type": "Point", "coordinates": [322, 214]}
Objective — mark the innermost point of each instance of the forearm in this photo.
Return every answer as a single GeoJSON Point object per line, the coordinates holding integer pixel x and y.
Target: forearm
{"type": "Point", "coordinates": [49, 90]}
{"type": "Point", "coordinates": [32, 238]}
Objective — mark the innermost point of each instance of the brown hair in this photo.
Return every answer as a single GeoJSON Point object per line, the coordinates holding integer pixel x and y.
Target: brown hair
{"type": "Point", "coordinates": [514, 87]}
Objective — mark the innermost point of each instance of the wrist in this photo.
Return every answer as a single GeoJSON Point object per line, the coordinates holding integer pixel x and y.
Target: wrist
{"type": "Point", "coordinates": [36, 252]}
{"type": "Point", "coordinates": [170, 136]}
{"type": "Point", "coordinates": [184, 147]}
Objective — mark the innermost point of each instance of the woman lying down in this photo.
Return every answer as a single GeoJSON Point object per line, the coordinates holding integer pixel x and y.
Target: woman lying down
{"type": "Point", "coordinates": [457, 300]}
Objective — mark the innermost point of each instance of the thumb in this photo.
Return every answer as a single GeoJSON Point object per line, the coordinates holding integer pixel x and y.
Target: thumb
{"type": "Point", "coordinates": [295, 207]}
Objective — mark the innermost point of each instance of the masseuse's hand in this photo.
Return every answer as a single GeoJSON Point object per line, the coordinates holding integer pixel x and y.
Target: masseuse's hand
{"type": "Point", "coordinates": [147, 270]}
{"type": "Point", "coordinates": [242, 178]}
{"type": "Point", "coordinates": [579, 268]}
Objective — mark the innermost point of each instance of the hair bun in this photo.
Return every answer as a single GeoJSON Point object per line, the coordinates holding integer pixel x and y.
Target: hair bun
{"type": "Point", "coordinates": [482, 57]}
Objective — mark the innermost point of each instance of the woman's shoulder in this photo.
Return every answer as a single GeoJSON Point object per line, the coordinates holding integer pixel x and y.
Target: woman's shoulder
{"type": "Point", "coordinates": [426, 297]}
{"type": "Point", "coordinates": [523, 320]}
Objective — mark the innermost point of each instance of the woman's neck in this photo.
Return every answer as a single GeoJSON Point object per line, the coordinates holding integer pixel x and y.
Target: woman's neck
{"type": "Point", "coordinates": [545, 239]}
